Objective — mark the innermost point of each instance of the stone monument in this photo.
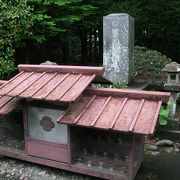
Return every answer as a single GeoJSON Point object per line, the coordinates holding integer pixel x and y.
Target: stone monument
{"type": "Point", "coordinates": [118, 47]}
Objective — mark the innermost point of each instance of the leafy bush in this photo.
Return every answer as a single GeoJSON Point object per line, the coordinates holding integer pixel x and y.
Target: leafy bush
{"type": "Point", "coordinates": [163, 116]}
{"type": "Point", "coordinates": [117, 85]}
{"type": "Point", "coordinates": [149, 63]}
{"type": "Point", "coordinates": [15, 22]}
{"type": "Point", "coordinates": [6, 68]}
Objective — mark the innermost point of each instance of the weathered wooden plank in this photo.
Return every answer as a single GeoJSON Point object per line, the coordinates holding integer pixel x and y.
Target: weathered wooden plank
{"type": "Point", "coordinates": [84, 109]}
{"type": "Point", "coordinates": [9, 106]}
{"type": "Point", "coordinates": [145, 118]}
{"type": "Point", "coordinates": [65, 90]}
{"type": "Point", "coordinates": [121, 106]}
{"type": "Point", "coordinates": [91, 112]}
{"type": "Point", "coordinates": [136, 115]}
{"type": "Point", "coordinates": [74, 110]}
{"type": "Point", "coordinates": [25, 85]}
{"type": "Point", "coordinates": [47, 150]}
{"type": "Point", "coordinates": [108, 114]}
{"type": "Point", "coordinates": [100, 112]}
{"type": "Point", "coordinates": [49, 87]}
{"type": "Point", "coordinates": [39, 84]}
{"type": "Point", "coordinates": [13, 83]}
{"type": "Point", "coordinates": [126, 117]}
{"type": "Point", "coordinates": [61, 88]}
{"type": "Point", "coordinates": [78, 88]}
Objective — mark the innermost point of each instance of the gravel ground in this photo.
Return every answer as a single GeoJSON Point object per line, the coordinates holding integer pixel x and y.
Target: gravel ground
{"type": "Point", "coordinates": [159, 164]}
{"type": "Point", "coordinates": [20, 170]}
{"type": "Point", "coordinates": [164, 166]}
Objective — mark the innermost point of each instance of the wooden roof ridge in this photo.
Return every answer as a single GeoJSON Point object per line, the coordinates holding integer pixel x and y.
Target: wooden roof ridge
{"type": "Point", "coordinates": [129, 93]}
{"type": "Point", "coordinates": [85, 70]}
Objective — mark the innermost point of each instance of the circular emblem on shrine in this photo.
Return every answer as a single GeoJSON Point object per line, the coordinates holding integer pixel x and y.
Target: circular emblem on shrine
{"type": "Point", "coordinates": [47, 123]}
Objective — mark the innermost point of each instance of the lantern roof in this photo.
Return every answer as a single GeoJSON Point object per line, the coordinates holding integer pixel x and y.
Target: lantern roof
{"type": "Point", "coordinates": [173, 67]}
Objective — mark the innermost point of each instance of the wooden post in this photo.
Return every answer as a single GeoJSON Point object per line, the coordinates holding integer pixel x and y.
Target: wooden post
{"type": "Point", "coordinates": [131, 158]}
{"type": "Point", "coordinates": [69, 144]}
{"type": "Point", "coordinates": [25, 120]}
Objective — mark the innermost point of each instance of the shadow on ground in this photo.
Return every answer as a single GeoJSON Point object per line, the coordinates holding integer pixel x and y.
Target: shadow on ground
{"type": "Point", "coordinates": [161, 167]}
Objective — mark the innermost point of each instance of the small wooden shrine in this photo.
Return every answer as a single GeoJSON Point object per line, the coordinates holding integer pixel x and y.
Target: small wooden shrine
{"type": "Point", "coordinates": [70, 125]}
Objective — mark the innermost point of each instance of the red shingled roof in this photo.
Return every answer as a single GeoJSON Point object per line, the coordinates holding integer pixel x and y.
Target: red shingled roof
{"type": "Point", "coordinates": [51, 82]}
{"type": "Point", "coordinates": [122, 110]}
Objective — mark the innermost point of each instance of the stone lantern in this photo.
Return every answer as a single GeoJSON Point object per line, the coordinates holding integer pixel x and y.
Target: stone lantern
{"type": "Point", "coordinates": [173, 73]}
{"type": "Point", "coordinates": [172, 84]}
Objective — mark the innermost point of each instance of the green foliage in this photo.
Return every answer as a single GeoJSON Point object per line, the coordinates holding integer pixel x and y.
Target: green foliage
{"type": "Point", "coordinates": [164, 113]}
{"type": "Point", "coordinates": [43, 27]}
{"type": "Point", "coordinates": [60, 2]}
{"type": "Point", "coordinates": [15, 21]}
{"type": "Point", "coordinates": [163, 116]}
{"type": "Point", "coordinates": [61, 18]}
{"type": "Point", "coordinates": [117, 85]}
{"type": "Point", "coordinates": [6, 68]}
{"type": "Point", "coordinates": [157, 23]}
{"type": "Point", "coordinates": [149, 63]}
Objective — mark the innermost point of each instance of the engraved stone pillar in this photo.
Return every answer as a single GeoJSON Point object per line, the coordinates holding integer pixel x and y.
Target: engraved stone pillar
{"type": "Point", "coordinates": [118, 47]}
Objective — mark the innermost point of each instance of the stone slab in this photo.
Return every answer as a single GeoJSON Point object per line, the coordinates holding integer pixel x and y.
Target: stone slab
{"type": "Point", "coordinates": [118, 47]}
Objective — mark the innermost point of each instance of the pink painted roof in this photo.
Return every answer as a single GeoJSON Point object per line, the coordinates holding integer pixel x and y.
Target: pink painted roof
{"type": "Point", "coordinates": [7, 104]}
{"type": "Point", "coordinates": [51, 82]}
{"type": "Point", "coordinates": [121, 110]}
